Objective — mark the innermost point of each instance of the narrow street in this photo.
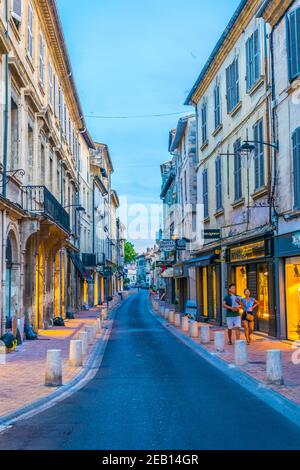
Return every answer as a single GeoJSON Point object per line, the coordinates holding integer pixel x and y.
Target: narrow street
{"type": "Point", "coordinates": [152, 392]}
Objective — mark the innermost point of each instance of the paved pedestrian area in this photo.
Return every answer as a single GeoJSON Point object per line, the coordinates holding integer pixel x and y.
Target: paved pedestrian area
{"type": "Point", "coordinates": [257, 360]}
{"type": "Point", "coordinates": [22, 375]}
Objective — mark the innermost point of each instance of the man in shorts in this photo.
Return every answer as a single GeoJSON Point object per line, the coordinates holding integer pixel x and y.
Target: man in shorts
{"type": "Point", "coordinates": [232, 304]}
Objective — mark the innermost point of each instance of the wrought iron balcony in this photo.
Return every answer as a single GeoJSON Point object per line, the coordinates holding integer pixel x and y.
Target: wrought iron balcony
{"type": "Point", "coordinates": [39, 200]}
{"type": "Point", "coordinates": [89, 260]}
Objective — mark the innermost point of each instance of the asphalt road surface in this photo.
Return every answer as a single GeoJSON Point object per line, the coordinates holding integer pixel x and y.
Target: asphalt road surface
{"type": "Point", "coordinates": [153, 392]}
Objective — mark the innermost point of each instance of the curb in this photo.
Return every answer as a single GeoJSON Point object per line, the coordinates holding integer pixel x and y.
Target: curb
{"type": "Point", "coordinates": [87, 373]}
{"type": "Point", "coordinates": [273, 399]}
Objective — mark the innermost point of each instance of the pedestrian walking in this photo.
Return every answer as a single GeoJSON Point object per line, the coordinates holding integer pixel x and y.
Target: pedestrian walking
{"type": "Point", "coordinates": [232, 304]}
{"type": "Point", "coordinates": [249, 304]}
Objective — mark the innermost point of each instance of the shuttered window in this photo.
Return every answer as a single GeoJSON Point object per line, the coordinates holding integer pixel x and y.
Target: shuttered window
{"type": "Point", "coordinates": [217, 97]}
{"type": "Point", "coordinates": [237, 171]}
{"type": "Point", "coordinates": [219, 201]}
{"type": "Point", "coordinates": [205, 193]}
{"type": "Point", "coordinates": [296, 164]}
{"type": "Point", "coordinates": [253, 59]}
{"type": "Point", "coordinates": [293, 33]}
{"type": "Point", "coordinates": [16, 10]}
{"type": "Point", "coordinates": [56, 96]}
{"type": "Point", "coordinates": [30, 31]}
{"type": "Point", "coordinates": [42, 59]}
{"type": "Point", "coordinates": [259, 157]}
{"type": "Point", "coordinates": [204, 123]}
{"type": "Point", "coordinates": [232, 85]}
{"type": "Point", "coordinates": [61, 108]}
{"type": "Point", "coordinates": [50, 84]}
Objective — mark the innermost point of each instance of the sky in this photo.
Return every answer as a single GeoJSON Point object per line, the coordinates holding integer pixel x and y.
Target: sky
{"type": "Point", "coordinates": [133, 57]}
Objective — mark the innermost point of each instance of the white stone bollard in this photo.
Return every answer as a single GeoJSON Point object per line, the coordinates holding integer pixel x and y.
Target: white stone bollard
{"type": "Point", "coordinates": [185, 324]}
{"type": "Point", "coordinates": [99, 325]}
{"type": "Point", "coordinates": [83, 337]}
{"type": "Point", "coordinates": [75, 353]}
{"type": "Point", "coordinates": [171, 316]}
{"type": "Point", "coordinates": [53, 376]}
{"type": "Point", "coordinates": [274, 367]}
{"type": "Point", "coordinates": [90, 331]}
{"type": "Point", "coordinates": [219, 341]}
{"type": "Point", "coordinates": [177, 319]}
{"type": "Point", "coordinates": [194, 329]}
{"type": "Point", "coordinates": [241, 353]}
{"type": "Point", "coordinates": [166, 314]}
{"type": "Point", "coordinates": [204, 334]}
{"type": "Point", "coordinates": [104, 313]}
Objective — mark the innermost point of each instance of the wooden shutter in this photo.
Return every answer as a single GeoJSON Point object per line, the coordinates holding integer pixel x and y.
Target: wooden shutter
{"type": "Point", "coordinates": [248, 63]}
{"type": "Point", "coordinates": [16, 11]}
{"type": "Point", "coordinates": [236, 82]}
{"type": "Point", "coordinates": [228, 89]}
{"type": "Point", "coordinates": [218, 184]}
{"type": "Point", "coordinates": [205, 192]}
{"type": "Point", "coordinates": [256, 157]}
{"type": "Point", "coordinates": [256, 47]}
{"type": "Point", "coordinates": [293, 35]}
{"type": "Point", "coordinates": [296, 162]}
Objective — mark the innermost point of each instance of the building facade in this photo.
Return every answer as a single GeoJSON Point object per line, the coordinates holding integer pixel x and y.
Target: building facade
{"type": "Point", "coordinates": [47, 218]}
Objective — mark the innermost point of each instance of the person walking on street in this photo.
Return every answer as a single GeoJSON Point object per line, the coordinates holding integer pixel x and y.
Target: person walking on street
{"type": "Point", "coordinates": [232, 304]}
{"type": "Point", "coordinates": [249, 306]}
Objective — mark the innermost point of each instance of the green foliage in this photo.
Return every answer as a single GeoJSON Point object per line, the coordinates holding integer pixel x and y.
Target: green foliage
{"type": "Point", "coordinates": [130, 253]}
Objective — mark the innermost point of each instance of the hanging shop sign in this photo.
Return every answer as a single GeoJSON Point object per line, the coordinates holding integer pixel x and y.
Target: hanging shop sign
{"type": "Point", "coordinates": [167, 245]}
{"type": "Point", "coordinates": [181, 244]}
{"type": "Point", "coordinates": [248, 252]}
{"type": "Point", "coordinates": [212, 234]}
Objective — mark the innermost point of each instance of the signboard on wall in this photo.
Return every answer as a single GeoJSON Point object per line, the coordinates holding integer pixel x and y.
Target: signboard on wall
{"type": "Point", "coordinates": [212, 234]}
{"type": "Point", "coordinates": [167, 245]}
{"type": "Point", "coordinates": [248, 252]}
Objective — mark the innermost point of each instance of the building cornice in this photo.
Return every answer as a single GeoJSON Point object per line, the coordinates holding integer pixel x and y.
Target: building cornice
{"type": "Point", "coordinates": [230, 36]}
{"type": "Point", "coordinates": [275, 9]}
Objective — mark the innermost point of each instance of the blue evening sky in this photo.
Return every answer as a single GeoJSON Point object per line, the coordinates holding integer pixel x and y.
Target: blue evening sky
{"type": "Point", "coordinates": [133, 57]}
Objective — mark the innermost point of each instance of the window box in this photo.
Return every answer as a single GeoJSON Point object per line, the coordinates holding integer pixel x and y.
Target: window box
{"type": "Point", "coordinates": [217, 130]}
{"type": "Point", "coordinates": [238, 203]}
{"type": "Point", "coordinates": [219, 213]}
{"type": "Point", "coordinates": [255, 87]}
{"type": "Point", "coordinates": [260, 192]}
{"type": "Point", "coordinates": [236, 109]}
{"type": "Point", "coordinates": [204, 145]}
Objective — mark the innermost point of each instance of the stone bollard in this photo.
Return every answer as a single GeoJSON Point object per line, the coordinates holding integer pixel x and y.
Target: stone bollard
{"type": "Point", "coordinates": [166, 314]}
{"type": "Point", "coordinates": [177, 319]}
{"type": "Point", "coordinates": [90, 331]}
{"type": "Point", "coordinates": [53, 377]}
{"type": "Point", "coordinates": [204, 334]}
{"type": "Point", "coordinates": [194, 329]}
{"type": "Point", "coordinates": [241, 353]}
{"type": "Point", "coordinates": [83, 337]}
{"type": "Point", "coordinates": [219, 341]}
{"type": "Point", "coordinates": [75, 353]}
{"type": "Point", "coordinates": [99, 325]}
{"type": "Point", "coordinates": [171, 316]}
{"type": "Point", "coordinates": [185, 324]}
{"type": "Point", "coordinates": [274, 367]}
{"type": "Point", "coordinates": [104, 313]}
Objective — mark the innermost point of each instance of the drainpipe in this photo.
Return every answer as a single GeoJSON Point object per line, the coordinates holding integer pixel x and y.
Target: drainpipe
{"type": "Point", "coordinates": [4, 184]}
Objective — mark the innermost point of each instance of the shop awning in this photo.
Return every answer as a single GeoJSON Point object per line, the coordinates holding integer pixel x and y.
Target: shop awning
{"type": "Point", "coordinates": [79, 266]}
{"type": "Point", "coordinates": [202, 261]}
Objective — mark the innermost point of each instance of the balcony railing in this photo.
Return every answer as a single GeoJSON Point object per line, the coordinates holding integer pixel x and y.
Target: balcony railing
{"type": "Point", "coordinates": [39, 200]}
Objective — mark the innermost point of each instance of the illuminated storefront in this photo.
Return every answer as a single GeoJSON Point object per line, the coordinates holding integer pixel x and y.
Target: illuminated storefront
{"type": "Point", "coordinates": [288, 252]}
{"type": "Point", "coordinates": [250, 265]}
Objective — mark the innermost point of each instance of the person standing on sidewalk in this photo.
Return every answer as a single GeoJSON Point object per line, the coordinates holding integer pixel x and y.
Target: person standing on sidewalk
{"type": "Point", "coordinates": [232, 304]}
{"type": "Point", "coordinates": [249, 306]}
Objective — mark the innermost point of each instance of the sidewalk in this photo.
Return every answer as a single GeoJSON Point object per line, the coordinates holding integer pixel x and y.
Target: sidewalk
{"type": "Point", "coordinates": [22, 377]}
{"type": "Point", "coordinates": [256, 367]}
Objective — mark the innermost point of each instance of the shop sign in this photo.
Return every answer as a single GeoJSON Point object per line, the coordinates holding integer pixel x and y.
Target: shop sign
{"type": "Point", "coordinates": [248, 252]}
{"type": "Point", "coordinates": [181, 244]}
{"type": "Point", "coordinates": [167, 245]}
{"type": "Point", "coordinates": [296, 240]}
{"type": "Point", "coordinates": [212, 234]}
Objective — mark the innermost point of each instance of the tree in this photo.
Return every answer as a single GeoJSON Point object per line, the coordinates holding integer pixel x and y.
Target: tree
{"type": "Point", "coordinates": [130, 253]}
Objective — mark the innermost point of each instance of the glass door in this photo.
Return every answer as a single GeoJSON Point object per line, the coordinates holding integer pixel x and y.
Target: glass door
{"type": "Point", "coordinates": [241, 280]}
{"type": "Point", "coordinates": [263, 314]}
